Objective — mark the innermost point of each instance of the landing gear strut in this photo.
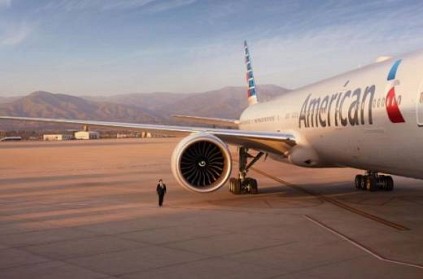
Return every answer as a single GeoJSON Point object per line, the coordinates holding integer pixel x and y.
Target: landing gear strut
{"type": "Point", "coordinates": [372, 181]}
{"type": "Point", "coordinates": [244, 184]}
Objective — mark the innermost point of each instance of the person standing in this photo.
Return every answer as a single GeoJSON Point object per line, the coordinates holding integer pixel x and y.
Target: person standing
{"type": "Point", "coordinates": [161, 191]}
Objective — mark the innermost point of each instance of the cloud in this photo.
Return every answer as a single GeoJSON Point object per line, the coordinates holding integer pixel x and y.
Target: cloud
{"type": "Point", "coordinates": [15, 35]}
{"type": "Point", "coordinates": [123, 5]}
{"type": "Point", "coordinates": [79, 5]}
{"type": "Point", "coordinates": [110, 5]}
{"type": "Point", "coordinates": [169, 5]}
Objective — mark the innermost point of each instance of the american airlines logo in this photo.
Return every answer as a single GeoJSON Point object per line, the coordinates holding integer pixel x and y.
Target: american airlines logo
{"type": "Point", "coordinates": [350, 108]}
{"type": "Point", "coordinates": [391, 105]}
{"type": "Point", "coordinates": [353, 107]}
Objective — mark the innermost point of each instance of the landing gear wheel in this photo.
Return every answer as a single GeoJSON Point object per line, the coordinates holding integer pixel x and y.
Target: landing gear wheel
{"type": "Point", "coordinates": [231, 184]}
{"type": "Point", "coordinates": [250, 185]}
{"type": "Point", "coordinates": [363, 185]}
{"type": "Point", "coordinates": [235, 186]}
{"type": "Point", "coordinates": [371, 184]}
{"type": "Point", "coordinates": [389, 183]}
{"type": "Point", "coordinates": [244, 184]}
{"type": "Point", "coordinates": [358, 182]}
{"type": "Point", "coordinates": [372, 181]}
{"type": "Point", "coordinates": [254, 188]}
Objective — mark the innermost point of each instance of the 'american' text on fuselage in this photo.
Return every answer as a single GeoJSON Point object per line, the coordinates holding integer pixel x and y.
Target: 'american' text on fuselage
{"type": "Point", "coordinates": [339, 109]}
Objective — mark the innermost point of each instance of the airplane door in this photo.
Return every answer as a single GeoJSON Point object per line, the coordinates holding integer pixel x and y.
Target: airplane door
{"type": "Point", "coordinates": [419, 109]}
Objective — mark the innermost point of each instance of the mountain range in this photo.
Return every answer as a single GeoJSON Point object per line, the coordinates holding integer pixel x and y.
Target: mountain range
{"type": "Point", "coordinates": [154, 108]}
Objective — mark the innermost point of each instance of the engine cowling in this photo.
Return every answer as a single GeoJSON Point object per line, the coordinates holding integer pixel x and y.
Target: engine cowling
{"type": "Point", "coordinates": [201, 163]}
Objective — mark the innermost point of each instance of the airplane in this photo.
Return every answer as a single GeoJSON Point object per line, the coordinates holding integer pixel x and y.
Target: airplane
{"type": "Point", "coordinates": [370, 119]}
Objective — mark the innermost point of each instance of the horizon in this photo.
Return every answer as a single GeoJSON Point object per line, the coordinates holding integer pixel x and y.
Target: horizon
{"type": "Point", "coordinates": [146, 93]}
{"type": "Point", "coordinates": [105, 47]}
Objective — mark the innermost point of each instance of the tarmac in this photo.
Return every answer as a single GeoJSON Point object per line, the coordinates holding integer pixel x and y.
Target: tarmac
{"type": "Point", "coordinates": [88, 209]}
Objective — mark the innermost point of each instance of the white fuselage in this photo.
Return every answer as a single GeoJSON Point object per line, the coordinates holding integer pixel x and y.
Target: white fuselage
{"type": "Point", "coordinates": [354, 120]}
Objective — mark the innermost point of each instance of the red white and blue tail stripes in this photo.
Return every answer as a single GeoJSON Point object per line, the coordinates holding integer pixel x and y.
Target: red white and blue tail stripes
{"type": "Point", "coordinates": [252, 96]}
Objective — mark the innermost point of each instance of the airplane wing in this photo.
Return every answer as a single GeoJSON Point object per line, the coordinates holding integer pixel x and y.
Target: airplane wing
{"type": "Point", "coordinates": [201, 161]}
{"type": "Point", "coordinates": [273, 142]}
{"type": "Point", "coordinates": [232, 123]}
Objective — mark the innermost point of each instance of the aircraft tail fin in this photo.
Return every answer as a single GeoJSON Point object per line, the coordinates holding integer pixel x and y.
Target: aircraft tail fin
{"type": "Point", "coordinates": [252, 95]}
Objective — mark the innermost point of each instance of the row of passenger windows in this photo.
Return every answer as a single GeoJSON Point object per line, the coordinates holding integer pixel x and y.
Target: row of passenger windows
{"type": "Point", "coordinates": [381, 102]}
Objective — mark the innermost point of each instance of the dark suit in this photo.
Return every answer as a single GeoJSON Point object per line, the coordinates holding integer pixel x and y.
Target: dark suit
{"type": "Point", "coordinates": [161, 191]}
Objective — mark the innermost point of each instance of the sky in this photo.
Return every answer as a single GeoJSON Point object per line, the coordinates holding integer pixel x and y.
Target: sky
{"type": "Point", "coordinates": [111, 47]}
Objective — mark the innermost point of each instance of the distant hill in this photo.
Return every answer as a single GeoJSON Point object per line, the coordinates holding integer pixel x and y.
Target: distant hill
{"type": "Point", "coordinates": [48, 105]}
{"type": "Point", "coordinates": [227, 102]}
{"type": "Point", "coordinates": [154, 108]}
{"type": "Point", "coordinates": [152, 101]}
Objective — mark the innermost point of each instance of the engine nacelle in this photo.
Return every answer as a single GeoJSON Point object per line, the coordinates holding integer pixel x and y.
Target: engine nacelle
{"type": "Point", "coordinates": [201, 163]}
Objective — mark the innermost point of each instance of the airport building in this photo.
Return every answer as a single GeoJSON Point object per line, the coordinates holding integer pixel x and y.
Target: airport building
{"type": "Point", "coordinates": [134, 135]}
{"type": "Point", "coordinates": [146, 135]}
{"type": "Point", "coordinates": [50, 137]}
{"type": "Point", "coordinates": [127, 135]}
{"type": "Point", "coordinates": [87, 135]}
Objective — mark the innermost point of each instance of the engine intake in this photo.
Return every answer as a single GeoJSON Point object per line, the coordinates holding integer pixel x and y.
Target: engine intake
{"type": "Point", "coordinates": [201, 163]}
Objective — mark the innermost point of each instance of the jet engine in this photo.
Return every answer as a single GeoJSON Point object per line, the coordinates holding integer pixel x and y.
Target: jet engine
{"type": "Point", "coordinates": [201, 163]}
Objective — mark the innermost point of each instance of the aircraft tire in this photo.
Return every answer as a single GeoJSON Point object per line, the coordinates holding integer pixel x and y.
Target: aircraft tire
{"type": "Point", "coordinates": [236, 186]}
{"type": "Point", "coordinates": [231, 184]}
{"type": "Point", "coordinates": [358, 182]}
{"type": "Point", "coordinates": [371, 184]}
{"type": "Point", "coordinates": [389, 183]}
{"type": "Point", "coordinates": [254, 187]}
{"type": "Point", "coordinates": [363, 184]}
